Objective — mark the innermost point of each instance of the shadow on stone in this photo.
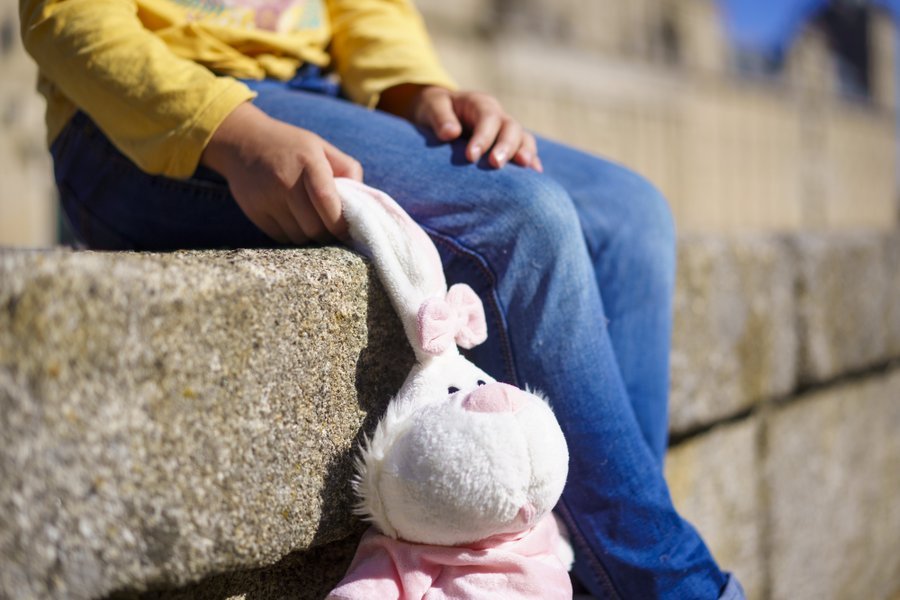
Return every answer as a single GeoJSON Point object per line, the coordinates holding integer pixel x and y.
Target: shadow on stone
{"type": "Point", "coordinates": [387, 357]}
{"type": "Point", "coordinates": [298, 576]}
{"type": "Point", "coordinates": [381, 369]}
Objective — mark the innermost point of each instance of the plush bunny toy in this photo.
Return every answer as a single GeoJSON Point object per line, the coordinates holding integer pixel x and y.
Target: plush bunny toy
{"type": "Point", "coordinates": [461, 473]}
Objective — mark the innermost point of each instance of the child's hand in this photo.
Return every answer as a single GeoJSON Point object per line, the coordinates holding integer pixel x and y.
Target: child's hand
{"type": "Point", "coordinates": [449, 113]}
{"type": "Point", "coordinates": [281, 176]}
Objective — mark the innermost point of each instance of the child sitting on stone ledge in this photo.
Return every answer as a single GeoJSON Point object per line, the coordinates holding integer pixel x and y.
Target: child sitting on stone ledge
{"type": "Point", "coordinates": [209, 123]}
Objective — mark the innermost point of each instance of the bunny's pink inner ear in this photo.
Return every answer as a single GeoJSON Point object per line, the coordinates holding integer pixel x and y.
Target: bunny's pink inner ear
{"type": "Point", "coordinates": [422, 244]}
{"type": "Point", "coordinates": [436, 326]}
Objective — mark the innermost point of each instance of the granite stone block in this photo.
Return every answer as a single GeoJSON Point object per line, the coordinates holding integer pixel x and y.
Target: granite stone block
{"type": "Point", "coordinates": [167, 417]}
{"type": "Point", "coordinates": [734, 339]}
{"type": "Point", "coordinates": [832, 471]}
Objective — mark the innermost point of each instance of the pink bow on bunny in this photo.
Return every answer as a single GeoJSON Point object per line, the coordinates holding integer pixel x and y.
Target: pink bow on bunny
{"type": "Point", "coordinates": [455, 320]}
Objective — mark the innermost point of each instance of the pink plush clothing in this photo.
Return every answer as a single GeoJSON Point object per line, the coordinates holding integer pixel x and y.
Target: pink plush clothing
{"type": "Point", "coordinates": [523, 568]}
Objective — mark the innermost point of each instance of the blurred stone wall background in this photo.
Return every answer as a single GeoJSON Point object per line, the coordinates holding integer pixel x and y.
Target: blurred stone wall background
{"type": "Point", "coordinates": [653, 84]}
{"type": "Point", "coordinates": [27, 194]}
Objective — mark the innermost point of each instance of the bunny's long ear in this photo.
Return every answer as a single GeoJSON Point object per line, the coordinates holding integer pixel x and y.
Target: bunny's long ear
{"type": "Point", "coordinates": [406, 260]}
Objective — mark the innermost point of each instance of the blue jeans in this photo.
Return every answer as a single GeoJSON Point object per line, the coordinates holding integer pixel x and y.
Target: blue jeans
{"type": "Point", "coordinates": [575, 267]}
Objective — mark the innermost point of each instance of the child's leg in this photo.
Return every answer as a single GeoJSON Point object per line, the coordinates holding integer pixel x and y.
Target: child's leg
{"type": "Point", "coordinates": [630, 236]}
{"type": "Point", "coordinates": [516, 236]}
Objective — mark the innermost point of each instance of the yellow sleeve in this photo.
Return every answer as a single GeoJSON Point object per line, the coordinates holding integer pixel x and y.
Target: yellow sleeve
{"type": "Point", "coordinates": [377, 44]}
{"type": "Point", "coordinates": [158, 109]}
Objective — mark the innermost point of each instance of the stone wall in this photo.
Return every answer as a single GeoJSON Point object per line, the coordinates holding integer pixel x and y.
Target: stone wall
{"type": "Point", "coordinates": [27, 196]}
{"type": "Point", "coordinates": [181, 425]}
{"type": "Point", "coordinates": [169, 417]}
{"type": "Point", "coordinates": [786, 410]}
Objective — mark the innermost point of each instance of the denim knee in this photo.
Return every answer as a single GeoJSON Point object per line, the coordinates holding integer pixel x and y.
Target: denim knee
{"type": "Point", "coordinates": [522, 227]}
{"type": "Point", "coordinates": [642, 232]}
{"type": "Point", "coordinates": [532, 214]}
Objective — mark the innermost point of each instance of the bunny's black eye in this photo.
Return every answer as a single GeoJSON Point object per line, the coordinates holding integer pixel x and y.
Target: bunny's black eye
{"type": "Point", "coordinates": [480, 382]}
{"type": "Point", "coordinates": [452, 390]}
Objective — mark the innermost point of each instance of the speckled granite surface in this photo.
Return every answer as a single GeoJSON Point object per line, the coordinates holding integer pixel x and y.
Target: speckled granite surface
{"type": "Point", "coordinates": [180, 425]}
{"type": "Point", "coordinates": [167, 417]}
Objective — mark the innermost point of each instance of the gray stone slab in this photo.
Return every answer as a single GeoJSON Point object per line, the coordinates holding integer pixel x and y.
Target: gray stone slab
{"type": "Point", "coordinates": [847, 302]}
{"type": "Point", "coordinates": [174, 418]}
{"type": "Point", "coordinates": [167, 417]}
{"type": "Point", "coordinates": [714, 479]}
{"type": "Point", "coordinates": [832, 469]}
{"type": "Point", "coordinates": [734, 338]}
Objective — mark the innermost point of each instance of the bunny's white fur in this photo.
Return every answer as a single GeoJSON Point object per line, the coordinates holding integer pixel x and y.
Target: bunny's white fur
{"type": "Point", "coordinates": [441, 468]}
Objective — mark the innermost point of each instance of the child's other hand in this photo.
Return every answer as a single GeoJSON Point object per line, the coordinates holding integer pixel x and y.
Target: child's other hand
{"type": "Point", "coordinates": [449, 113]}
{"type": "Point", "coordinates": [281, 176]}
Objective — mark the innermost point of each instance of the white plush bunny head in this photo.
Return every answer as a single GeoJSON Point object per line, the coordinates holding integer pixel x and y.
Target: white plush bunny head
{"type": "Point", "coordinates": [458, 458]}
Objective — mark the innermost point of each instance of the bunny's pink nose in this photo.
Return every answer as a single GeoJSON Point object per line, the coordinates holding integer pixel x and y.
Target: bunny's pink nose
{"type": "Point", "coordinates": [495, 397]}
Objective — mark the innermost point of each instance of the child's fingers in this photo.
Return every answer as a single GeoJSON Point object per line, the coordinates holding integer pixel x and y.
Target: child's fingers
{"type": "Point", "coordinates": [439, 114]}
{"type": "Point", "coordinates": [509, 140]}
{"type": "Point", "coordinates": [527, 155]}
{"type": "Point", "coordinates": [318, 181]}
{"type": "Point", "coordinates": [294, 224]}
{"type": "Point", "coordinates": [484, 133]}
{"type": "Point", "coordinates": [305, 223]}
{"type": "Point", "coordinates": [343, 165]}
{"type": "Point", "coordinates": [270, 227]}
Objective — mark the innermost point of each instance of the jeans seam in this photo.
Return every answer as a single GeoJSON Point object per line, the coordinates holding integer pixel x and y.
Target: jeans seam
{"type": "Point", "coordinates": [593, 560]}
{"type": "Point", "coordinates": [497, 315]}
{"type": "Point", "coordinates": [482, 264]}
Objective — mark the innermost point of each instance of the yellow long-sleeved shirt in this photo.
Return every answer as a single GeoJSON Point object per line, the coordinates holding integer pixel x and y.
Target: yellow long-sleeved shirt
{"type": "Point", "coordinates": [159, 76]}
